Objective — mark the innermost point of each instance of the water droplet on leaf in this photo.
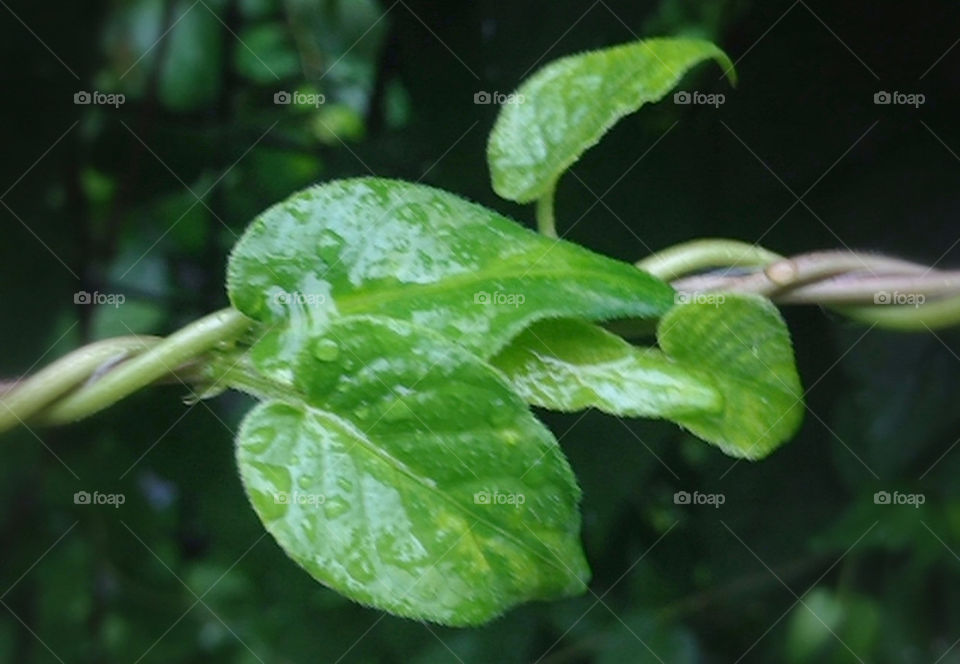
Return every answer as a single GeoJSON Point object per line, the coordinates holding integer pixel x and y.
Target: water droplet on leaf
{"type": "Point", "coordinates": [334, 507]}
{"type": "Point", "coordinates": [326, 350]}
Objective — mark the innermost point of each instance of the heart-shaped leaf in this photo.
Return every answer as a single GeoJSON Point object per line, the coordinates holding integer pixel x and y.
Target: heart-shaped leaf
{"type": "Point", "coordinates": [726, 372]}
{"type": "Point", "coordinates": [568, 105]}
{"type": "Point", "coordinates": [372, 246]}
{"type": "Point", "coordinates": [399, 469]}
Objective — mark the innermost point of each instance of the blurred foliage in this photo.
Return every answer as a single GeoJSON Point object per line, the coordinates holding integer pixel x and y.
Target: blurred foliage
{"type": "Point", "coordinates": [798, 565]}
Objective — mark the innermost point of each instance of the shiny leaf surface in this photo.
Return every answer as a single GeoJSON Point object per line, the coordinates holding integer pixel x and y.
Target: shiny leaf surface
{"type": "Point", "coordinates": [373, 246]}
{"type": "Point", "coordinates": [402, 471]}
{"type": "Point", "coordinates": [570, 365]}
{"type": "Point", "coordinates": [725, 372]}
{"type": "Point", "coordinates": [744, 343]}
{"type": "Point", "coordinates": [568, 105]}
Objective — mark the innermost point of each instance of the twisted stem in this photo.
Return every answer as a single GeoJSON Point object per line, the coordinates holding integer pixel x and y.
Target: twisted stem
{"type": "Point", "coordinates": [889, 292]}
{"type": "Point", "coordinates": [98, 375]}
{"type": "Point", "coordinates": [885, 291]}
{"type": "Point", "coordinates": [681, 259]}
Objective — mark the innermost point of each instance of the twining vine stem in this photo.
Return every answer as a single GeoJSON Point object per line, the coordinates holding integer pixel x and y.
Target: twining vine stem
{"type": "Point", "coordinates": [98, 375]}
{"type": "Point", "coordinates": [873, 288]}
{"type": "Point", "coordinates": [885, 291]}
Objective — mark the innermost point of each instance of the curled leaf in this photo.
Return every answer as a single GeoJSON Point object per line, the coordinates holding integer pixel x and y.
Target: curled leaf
{"type": "Point", "coordinates": [725, 371]}
{"type": "Point", "coordinates": [570, 365]}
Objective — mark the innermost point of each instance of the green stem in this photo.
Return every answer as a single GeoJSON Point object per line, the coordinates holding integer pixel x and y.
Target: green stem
{"type": "Point", "coordinates": [546, 221]}
{"type": "Point", "coordinates": [681, 259]}
{"type": "Point", "coordinates": [162, 360]}
{"type": "Point", "coordinates": [230, 371]}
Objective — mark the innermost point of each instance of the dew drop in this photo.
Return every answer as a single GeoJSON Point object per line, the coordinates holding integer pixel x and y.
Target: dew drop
{"type": "Point", "coordinates": [361, 569]}
{"type": "Point", "coordinates": [398, 411]}
{"type": "Point", "coordinates": [326, 350]}
{"type": "Point", "coordinates": [413, 213]}
{"type": "Point", "coordinates": [334, 507]}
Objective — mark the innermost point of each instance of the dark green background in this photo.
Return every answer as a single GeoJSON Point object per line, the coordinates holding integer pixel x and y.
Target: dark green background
{"type": "Point", "coordinates": [878, 583]}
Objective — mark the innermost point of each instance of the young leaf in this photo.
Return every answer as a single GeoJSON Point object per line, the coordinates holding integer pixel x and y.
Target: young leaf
{"type": "Point", "coordinates": [569, 104]}
{"type": "Point", "coordinates": [726, 372]}
{"type": "Point", "coordinates": [415, 253]}
{"type": "Point", "coordinates": [402, 471]}
{"type": "Point", "coordinates": [570, 365]}
{"type": "Point", "coordinates": [744, 343]}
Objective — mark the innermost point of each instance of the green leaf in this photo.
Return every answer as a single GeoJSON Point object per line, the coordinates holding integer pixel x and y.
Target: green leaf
{"type": "Point", "coordinates": [568, 105]}
{"type": "Point", "coordinates": [570, 365]}
{"type": "Point", "coordinates": [744, 343]}
{"type": "Point", "coordinates": [726, 372]}
{"type": "Point", "coordinates": [372, 246]}
{"type": "Point", "coordinates": [399, 469]}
